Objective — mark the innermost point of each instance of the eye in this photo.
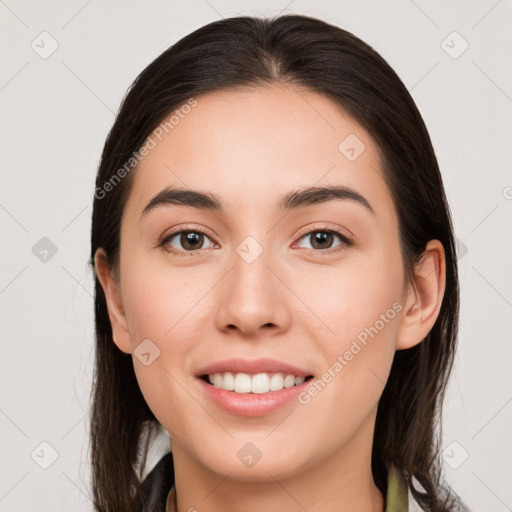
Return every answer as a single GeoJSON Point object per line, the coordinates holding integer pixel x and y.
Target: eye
{"type": "Point", "coordinates": [186, 241]}
{"type": "Point", "coordinates": [321, 240]}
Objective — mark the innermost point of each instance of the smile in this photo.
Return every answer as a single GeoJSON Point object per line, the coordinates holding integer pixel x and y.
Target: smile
{"type": "Point", "coordinates": [259, 383]}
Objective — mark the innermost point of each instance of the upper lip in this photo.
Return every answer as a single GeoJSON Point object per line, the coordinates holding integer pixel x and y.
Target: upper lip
{"type": "Point", "coordinates": [253, 366]}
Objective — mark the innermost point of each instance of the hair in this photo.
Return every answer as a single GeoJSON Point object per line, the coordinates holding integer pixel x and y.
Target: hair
{"type": "Point", "coordinates": [294, 50]}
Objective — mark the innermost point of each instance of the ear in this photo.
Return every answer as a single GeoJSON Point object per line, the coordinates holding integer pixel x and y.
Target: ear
{"type": "Point", "coordinates": [112, 291]}
{"type": "Point", "coordinates": [424, 297]}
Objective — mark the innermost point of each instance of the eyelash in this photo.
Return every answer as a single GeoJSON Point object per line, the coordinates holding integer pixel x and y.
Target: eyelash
{"type": "Point", "coordinates": [345, 240]}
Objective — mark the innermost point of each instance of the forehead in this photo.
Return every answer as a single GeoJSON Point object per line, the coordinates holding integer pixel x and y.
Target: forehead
{"type": "Point", "coordinates": [250, 147]}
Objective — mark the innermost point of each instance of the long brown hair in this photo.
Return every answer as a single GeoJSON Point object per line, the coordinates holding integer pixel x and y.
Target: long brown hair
{"type": "Point", "coordinates": [302, 51]}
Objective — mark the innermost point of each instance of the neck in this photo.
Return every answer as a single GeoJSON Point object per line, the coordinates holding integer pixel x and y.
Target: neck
{"type": "Point", "coordinates": [342, 481]}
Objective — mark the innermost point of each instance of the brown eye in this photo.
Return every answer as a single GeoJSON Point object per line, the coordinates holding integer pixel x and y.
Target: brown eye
{"type": "Point", "coordinates": [191, 240]}
{"type": "Point", "coordinates": [186, 241]}
{"type": "Point", "coordinates": [323, 240]}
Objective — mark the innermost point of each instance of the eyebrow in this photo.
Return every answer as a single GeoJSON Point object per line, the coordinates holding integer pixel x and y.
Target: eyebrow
{"type": "Point", "coordinates": [292, 200]}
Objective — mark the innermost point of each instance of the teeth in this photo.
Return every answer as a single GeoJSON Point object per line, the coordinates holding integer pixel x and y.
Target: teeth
{"type": "Point", "coordinates": [259, 383]}
{"type": "Point", "coordinates": [242, 383]}
{"type": "Point", "coordinates": [229, 381]}
{"type": "Point", "coordinates": [289, 381]}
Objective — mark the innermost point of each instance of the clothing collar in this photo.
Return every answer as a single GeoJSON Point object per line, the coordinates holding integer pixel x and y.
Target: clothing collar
{"type": "Point", "coordinates": [158, 489]}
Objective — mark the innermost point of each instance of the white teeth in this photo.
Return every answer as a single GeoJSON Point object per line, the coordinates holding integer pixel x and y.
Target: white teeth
{"type": "Point", "coordinates": [217, 380]}
{"type": "Point", "coordinates": [276, 382]}
{"type": "Point", "coordinates": [229, 381]}
{"type": "Point", "coordinates": [242, 383]}
{"type": "Point", "coordinates": [289, 381]}
{"type": "Point", "coordinates": [259, 383]}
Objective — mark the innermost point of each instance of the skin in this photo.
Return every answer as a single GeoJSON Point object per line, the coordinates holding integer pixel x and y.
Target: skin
{"type": "Point", "coordinates": [250, 148]}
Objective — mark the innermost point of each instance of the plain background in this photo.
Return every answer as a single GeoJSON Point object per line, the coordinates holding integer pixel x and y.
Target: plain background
{"type": "Point", "coordinates": [56, 111]}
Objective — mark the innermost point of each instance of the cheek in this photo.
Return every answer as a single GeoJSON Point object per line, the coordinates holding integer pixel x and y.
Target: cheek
{"type": "Point", "coordinates": [166, 306]}
{"type": "Point", "coordinates": [163, 303]}
{"type": "Point", "coordinates": [163, 306]}
{"type": "Point", "coordinates": [360, 305]}
{"type": "Point", "coordinates": [346, 301]}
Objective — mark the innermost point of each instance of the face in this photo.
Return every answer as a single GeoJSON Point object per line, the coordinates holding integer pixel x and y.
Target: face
{"type": "Point", "coordinates": [264, 283]}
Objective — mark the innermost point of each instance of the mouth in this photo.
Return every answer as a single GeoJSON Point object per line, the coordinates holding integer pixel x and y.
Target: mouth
{"type": "Point", "coordinates": [256, 387]}
{"type": "Point", "coordinates": [259, 383]}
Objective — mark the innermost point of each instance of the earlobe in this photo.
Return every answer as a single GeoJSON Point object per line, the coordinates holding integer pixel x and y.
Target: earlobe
{"type": "Point", "coordinates": [116, 313]}
{"type": "Point", "coordinates": [424, 297]}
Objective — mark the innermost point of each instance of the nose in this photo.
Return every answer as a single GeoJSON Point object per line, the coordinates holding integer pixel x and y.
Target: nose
{"type": "Point", "coordinates": [253, 298]}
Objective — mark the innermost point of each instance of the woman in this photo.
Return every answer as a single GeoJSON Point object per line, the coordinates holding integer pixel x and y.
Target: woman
{"type": "Point", "coordinates": [276, 281]}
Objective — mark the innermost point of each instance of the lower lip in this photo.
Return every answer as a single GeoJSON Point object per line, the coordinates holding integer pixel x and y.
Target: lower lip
{"type": "Point", "coordinates": [252, 404]}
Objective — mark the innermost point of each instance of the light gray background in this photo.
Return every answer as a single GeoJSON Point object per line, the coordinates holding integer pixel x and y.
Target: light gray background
{"type": "Point", "coordinates": [56, 113]}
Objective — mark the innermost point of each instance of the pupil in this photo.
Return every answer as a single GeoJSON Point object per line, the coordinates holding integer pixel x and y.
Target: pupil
{"type": "Point", "coordinates": [191, 240]}
{"type": "Point", "coordinates": [320, 238]}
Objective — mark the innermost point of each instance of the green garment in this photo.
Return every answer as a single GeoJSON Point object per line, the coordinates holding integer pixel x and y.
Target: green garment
{"type": "Point", "coordinates": [397, 495]}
